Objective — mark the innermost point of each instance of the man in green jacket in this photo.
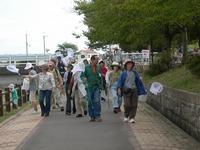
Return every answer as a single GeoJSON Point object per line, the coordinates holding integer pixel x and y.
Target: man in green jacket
{"type": "Point", "coordinates": [92, 78]}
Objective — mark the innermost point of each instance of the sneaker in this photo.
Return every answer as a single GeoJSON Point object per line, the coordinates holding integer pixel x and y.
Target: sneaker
{"type": "Point", "coordinates": [68, 113]}
{"type": "Point", "coordinates": [115, 111]}
{"type": "Point", "coordinates": [98, 119]}
{"type": "Point", "coordinates": [125, 119]}
{"type": "Point", "coordinates": [79, 115]}
{"type": "Point", "coordinates": [34, 112]}
{"type": "Point", "coordinates": [85, 113]}
{"type": "Point", "coordinates": [131, 120]}
{"type": "Point", "coordinates": [92, 119]}
{"type": "Point", "coordinates": [62, 109]}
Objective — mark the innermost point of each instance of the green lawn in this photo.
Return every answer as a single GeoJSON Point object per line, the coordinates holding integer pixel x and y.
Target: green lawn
{"type": "Point", "coordinates": [178, 78]}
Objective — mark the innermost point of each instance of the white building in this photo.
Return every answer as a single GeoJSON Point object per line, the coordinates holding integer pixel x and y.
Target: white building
{"type": "Point", "coordinates": [85, 54]}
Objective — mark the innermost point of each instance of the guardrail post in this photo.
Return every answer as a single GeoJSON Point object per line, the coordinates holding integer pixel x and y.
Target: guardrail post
{"type": "Point", "coordinates": [1, 103]}
{"type": "Point", "coordinates": [24, 96]}
{"type": "Point", "coordinates": [7, 101]}
{"type": "Point", "coordinates": [19, 92]}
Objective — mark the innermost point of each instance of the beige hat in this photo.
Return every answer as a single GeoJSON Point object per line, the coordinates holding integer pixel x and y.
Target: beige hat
{"type": "Point", "coordinates": [115, 64]}
{"type": "Point", "coordinates": [128, 61]}
{"type": "Point", "coordinates": [11, 86]}
{"type": "Point", "coordinates": [28, 66]}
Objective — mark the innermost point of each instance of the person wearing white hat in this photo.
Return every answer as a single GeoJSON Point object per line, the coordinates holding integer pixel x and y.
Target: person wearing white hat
{"type": "Point", "coordinates": [111, 81]}
{"type": "Point", "coordinates": [130, 85]}
{"type": "Point", "coordinates": [77, 89]}
{"type": "Point", "coordinates": [15, 97]}
{"type": "Point", "coordinates": [33, 86]}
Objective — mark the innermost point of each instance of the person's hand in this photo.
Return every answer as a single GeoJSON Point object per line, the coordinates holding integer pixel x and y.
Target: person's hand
{"type": "Point", "coordinates": [68, 91]}
{"type": "Point", "coordinates": [53, 90]}
{"type": "Point", "coordinates": [85, 80]}
{"type": "Point", "coordinates": [119, 91]}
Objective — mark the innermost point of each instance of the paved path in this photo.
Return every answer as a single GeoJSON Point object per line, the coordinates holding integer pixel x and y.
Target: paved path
{"type": "Point", "coordinates": [151, 131]}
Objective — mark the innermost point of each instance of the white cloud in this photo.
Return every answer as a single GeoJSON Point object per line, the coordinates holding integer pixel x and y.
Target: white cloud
{"type": "Point", "coordinates": [52, 18]}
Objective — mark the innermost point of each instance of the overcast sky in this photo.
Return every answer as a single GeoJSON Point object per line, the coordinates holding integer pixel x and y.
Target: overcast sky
{"type": "Point", "coordinates": [52, 18]}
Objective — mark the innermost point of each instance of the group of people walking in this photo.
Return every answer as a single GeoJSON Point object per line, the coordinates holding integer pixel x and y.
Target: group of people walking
{"type": "Point", "coordinates": [83, 84]}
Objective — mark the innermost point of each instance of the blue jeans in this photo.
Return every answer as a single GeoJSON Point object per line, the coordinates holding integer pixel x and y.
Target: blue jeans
{"type": "Point", "coordinates": [45, 109]}
{"type": "Point", "coordinates": [94, 105]}
{"type": "Point", "coordinates": [116, 100]}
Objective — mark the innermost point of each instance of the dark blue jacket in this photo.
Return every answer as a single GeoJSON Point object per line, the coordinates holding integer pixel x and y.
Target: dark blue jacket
{"type": "Point", "coordinates": [138, 82]}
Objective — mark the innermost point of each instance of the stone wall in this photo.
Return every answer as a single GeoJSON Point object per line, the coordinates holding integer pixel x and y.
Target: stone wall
{"type": "Point", "coordinates": [182, 108]}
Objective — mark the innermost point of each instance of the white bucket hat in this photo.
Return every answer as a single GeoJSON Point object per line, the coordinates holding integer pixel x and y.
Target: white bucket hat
{"type": "Point", "coordinates": [28, 66]}
{"type": "Point", "coordinates": [11, 86]}
{"type": "Point", "coordinates": [42, 63]}
{"type": "Point", "coordinates": [156, 88]}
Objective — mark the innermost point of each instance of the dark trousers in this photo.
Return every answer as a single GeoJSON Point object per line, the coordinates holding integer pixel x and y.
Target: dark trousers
{"type": "Point", "coordinates": [68, 103]}
{"type": "Point", "coordinates": [130, 103]}
{"type": "Point", "coordinates": [45, 109]}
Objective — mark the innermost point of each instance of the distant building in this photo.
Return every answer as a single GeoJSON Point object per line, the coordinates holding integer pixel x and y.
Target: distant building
{"type": "Point", "coordinates": [85, 54]}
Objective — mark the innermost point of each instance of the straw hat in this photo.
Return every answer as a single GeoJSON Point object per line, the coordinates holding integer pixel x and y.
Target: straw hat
{"type": "Point", "coordinates": [11, 86]}
{"type": "Point", "coordinates": [28, 66]}
{"type": "Point", "coordinates": [115, 64]}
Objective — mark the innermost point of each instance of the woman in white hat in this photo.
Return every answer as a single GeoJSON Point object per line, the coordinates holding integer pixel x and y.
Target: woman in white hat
{"type": "Point", "coordinates": [111, 81]}
{"type": "Point", "coordinates": [33, 86]}
{"type": "Point", "coordinates": [14, 95]}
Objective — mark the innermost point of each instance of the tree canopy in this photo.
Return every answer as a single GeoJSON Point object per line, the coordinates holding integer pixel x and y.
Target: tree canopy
{"type": "Point", "coordinates": [140, 23]}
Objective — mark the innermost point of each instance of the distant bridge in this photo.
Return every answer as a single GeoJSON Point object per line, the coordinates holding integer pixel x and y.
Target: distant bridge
{"type": "Point", "coordinates": [22, 59]}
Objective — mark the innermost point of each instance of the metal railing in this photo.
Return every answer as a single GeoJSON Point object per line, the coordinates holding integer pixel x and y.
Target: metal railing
{"type": "Point", "coordinates": [23, 59]}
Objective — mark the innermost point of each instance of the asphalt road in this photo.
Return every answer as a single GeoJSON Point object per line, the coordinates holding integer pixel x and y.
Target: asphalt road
{"type": "Point", "coordinates": [63, 132]}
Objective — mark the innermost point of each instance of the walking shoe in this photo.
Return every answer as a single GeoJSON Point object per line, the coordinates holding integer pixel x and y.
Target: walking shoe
{"type": "Point", "coordinates": [68, 113]}
{"type": "Point", "coordinates": [115, 111]}
{"type": "Point", "coordinates": [131, 120]}
{"type": "Point", "coordinates": [125, 119]}
{"type": "Point", "coordinates": [62, 108]}
{"type": "Point", "coordinates": [85, 113]}
{"type": "Point", "coordinates": [42, 114]}
{"type": "Point", "coordinates": [46, 115]}
{"type": "Point", "coordinates": [79, 115]}
{"type": "Point", "coordinates": [98, 119]}
{"type": "Point", "coordinates": [34, 112]}
{"type": "Point", "coordinates": [53, 107]}
{"type": "Point", "coordinates": [92, 119]}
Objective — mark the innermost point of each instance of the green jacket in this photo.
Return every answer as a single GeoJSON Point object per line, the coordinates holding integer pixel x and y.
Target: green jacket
{"type": "Point", "coordinates": [92, 77]}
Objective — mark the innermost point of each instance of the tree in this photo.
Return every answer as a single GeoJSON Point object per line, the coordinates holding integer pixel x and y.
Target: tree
{"type": "Point", "coordinates": [63, 47]}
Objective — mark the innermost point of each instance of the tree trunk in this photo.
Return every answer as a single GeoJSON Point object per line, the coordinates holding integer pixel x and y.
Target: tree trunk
{"type": "Point", "coordinates": [167, 37]}
{"type": "Point", "coordinates": [184, 44]}
{"type": "Point", "coordinates": [151, 49]}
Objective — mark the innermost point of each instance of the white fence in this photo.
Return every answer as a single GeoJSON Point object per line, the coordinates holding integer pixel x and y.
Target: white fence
{"type": "Point", "coordinates": [23, 59]}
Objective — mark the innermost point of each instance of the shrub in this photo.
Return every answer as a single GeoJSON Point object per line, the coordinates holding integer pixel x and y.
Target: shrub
{"type": "Point", "coordinates": [163, 64]}
{"type": "Point", "coordinates": [193, 64]}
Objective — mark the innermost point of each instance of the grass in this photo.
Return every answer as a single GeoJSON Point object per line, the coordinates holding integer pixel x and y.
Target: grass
{"type": "Point", "coordinates": [178, 78]}
{"type": "Point", "coordinates": [14, 111]}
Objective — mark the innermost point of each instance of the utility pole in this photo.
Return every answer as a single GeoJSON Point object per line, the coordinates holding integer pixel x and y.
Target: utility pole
{"type": "Point", "coordinates": [44, 42]}
{"type": "Point", "coordinates": [26, 45]}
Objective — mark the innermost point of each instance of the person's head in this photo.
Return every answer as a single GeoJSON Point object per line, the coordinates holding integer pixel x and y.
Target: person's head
{"type": "Point", "coordinates": [69, 67]}
{"type": "Point", "coordinates": [44, 67]}
{"type": "Point", "coordinates": [11, 86]}
{"type": "Point", "coordinates": [54, 60]}
{"type": "Point", "coordinates": [115, 66]}
{"type": "Point", "coordinates": [129, 65]}
{"type": "Point", "coordinates": [85, 61]}
{"type": "Point", "coordinates": [51, 65]}
{"type": "Point", "coordinates": [94, 59]}
{"type": "Point", "coordinates": [29, 66]}
{"type": "Point", "coordinates": [101, 63]}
